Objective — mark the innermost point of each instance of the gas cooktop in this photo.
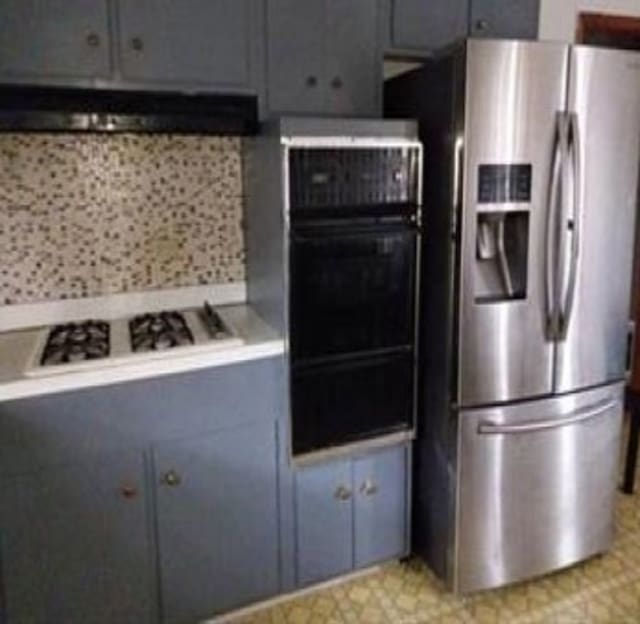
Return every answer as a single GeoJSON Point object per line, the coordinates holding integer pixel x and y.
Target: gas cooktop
{"type": "Point", "coordinates": [95, 343]}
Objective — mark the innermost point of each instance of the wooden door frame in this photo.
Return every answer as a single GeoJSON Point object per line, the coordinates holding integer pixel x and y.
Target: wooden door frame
{"type": "Point", "coordinates": [624, 32]}
{"type": "Point", "coordinates": [613, 27]}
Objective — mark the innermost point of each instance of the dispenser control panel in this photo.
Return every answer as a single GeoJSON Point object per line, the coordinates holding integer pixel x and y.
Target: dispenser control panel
{"type": "Point", "coordinates": [498, 184]}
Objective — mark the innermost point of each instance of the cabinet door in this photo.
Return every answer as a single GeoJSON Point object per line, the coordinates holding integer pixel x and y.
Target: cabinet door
{"type": "Point", "coordinates": [505, 18]}
{"type": "Point", "coordinates": [354, 58]}
{"type": "Point", "coordinates": [75, 544]}
{"type": "Point", "coordinates": [296, 33]}
{"type": "Point", "coordinates": [200, 43]}
{"type": "Point", "coordinates": [427, 24]}
{"type": "Point", "coordinates": [55, 40]}
{"type": "Point", "coordinates": [380, 491]}
{"type": "Point", "coordinates": [217, 521]}
{"type": "Point", "coordinates": [324, 511]}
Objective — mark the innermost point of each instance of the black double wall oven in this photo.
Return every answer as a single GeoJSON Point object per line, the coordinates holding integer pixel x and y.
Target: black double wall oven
{"type": "Point", "coordinates": [354, 222]}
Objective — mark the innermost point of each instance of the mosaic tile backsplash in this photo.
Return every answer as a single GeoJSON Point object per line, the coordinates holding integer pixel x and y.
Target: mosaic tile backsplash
{"type": "Point", "coordinates": [87, 215]}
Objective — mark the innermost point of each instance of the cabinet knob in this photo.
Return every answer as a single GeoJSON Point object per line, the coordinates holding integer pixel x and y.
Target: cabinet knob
{"type": "Point", "coordinates": [137, 44]}
{"type": "Point", "coordinates": [368, 488]}
{"type": "Point", "coordinates": [129, 490]}
{"type": "Point", "coordinates": [482, 25]}
{"type": "Point", "coordinates": [93, 40]}
{"type": "Point", "coordinates": [337, 83]}
{"type": "Point", "coordinates": [171, 478]}
{"type": "Point", "coordinates": [311, 81]}
{"type": "Point", "coordinates": [342, 493]}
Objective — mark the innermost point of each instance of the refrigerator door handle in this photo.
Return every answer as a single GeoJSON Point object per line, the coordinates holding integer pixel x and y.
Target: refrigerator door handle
{"type": "Point", "coordinates": [571, 228]}
{"type": "Point", "coordinates": [579, 416]}
{"type": "Point", "coordinates": [553, 215]}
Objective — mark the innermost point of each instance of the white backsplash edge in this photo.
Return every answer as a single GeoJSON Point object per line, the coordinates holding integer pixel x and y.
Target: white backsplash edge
{"type": "Point", "coordinates": [22, 316]}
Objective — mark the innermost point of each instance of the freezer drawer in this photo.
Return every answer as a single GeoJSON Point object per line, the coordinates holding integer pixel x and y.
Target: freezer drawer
{"type": "Point", "coordinates": [537, 484]}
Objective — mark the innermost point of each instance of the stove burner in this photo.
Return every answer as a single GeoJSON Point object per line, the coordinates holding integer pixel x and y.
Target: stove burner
{"type": "Point", "coordinates": [76, 342]}
{"type": "Point", "coordinates": [158, 331]}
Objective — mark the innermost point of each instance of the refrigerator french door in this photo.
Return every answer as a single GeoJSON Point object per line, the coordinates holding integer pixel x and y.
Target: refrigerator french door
{"type": "Point", "coordinates": [522, 358]}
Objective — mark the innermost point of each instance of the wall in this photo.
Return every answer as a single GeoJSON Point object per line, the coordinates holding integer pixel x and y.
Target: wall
{"type": "Point", "coordinates": [87, 215]}
{"type": "Point", "coordinates": [558, 18]}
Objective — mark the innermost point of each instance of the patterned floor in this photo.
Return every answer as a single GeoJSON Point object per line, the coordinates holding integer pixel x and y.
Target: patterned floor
{"type": "Point", "coordinates": [603, 590]}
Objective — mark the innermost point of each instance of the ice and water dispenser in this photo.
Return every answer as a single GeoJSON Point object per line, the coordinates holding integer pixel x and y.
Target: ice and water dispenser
{"type": "Point", "coordinates": [502, 232]}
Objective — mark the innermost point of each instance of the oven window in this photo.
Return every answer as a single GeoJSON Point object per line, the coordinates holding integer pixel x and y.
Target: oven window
{"type": "Point", "coordinates": [351, 291]}
{"type": "Point", "coordinates": [352, 401]}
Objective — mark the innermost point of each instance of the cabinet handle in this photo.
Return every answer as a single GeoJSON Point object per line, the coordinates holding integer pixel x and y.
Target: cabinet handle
{"type": "Point", "coordinates": [482, 25]}
{"type": "Point", "coordinates": [311, 81]}
{"type": "Point", "coordinates": [369, 488]}
{"type": "Point", "coordinates": [171, 478]}
{"type": "Point", "coordinates": [342, 493]}
{"type": "Point", "coordinates": [129, 491]}
{"type": "Point", "coordinates": [337, 83]}
{"type": "Point", "coordinates": [93, 40]}
{"type": "Point", "coordinates": [137, 44]}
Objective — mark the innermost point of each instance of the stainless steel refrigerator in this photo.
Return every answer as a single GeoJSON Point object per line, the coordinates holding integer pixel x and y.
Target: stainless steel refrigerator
{"type": "Point", "coordinates": [531, 157]}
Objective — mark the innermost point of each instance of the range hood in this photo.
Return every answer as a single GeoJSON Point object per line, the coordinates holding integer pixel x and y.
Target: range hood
{"type": "Point", "coordinates": [40, 109]}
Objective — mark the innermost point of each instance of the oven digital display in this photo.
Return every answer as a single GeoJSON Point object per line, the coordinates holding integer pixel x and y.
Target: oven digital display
{"type": "Point", "coordinates": [499, 184]}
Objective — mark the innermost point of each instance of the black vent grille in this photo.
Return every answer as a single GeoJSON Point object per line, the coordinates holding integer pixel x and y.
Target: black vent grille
{"type": "Point", "coordinates": [331, 177]}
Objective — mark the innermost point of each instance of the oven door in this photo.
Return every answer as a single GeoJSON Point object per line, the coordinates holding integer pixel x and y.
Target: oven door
{"type": "Point", "coordinates": [351, 400]}
{"type": "Point", "coordinates": [352, 289]}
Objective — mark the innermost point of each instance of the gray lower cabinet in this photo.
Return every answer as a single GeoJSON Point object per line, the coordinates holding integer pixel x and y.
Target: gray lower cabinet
{"type": "Point", "coordinates": [324, 57]}
{"type": "Point", "coordinates": [202, 44]}
{"type": "Point", "coordinates": [155, 500]}
{"type": "Point", "coordinates": [418, 27]}
{"type": "Point", "coordinates": [58, 40]}
{"type": "Point", "coordinates": [75, 544]}
{"type": "Point", "coordinates": [351, 513]}
{"type": "Point", "coordinates": [217, 520]}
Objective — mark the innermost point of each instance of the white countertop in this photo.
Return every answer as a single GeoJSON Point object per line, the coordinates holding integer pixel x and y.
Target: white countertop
{"type": "Point", "coordinates": [16, 347]}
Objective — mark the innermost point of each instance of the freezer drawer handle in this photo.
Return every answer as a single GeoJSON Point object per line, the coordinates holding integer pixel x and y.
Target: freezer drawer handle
{"type": "Point", "coordinates": [587, 413]}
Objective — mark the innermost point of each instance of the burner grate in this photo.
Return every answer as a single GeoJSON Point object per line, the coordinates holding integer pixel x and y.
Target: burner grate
{"type": "Point", "coordinates": [76, 342]}
{"type": "Point", "coordinates": [159, 331]}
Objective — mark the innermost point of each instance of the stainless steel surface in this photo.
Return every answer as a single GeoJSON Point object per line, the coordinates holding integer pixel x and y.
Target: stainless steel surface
{"type": "Point", "coordinates": [533, 501]}
{"type": "Point", "coordinates": [571, 225]}
{"type": "Point", "coordinates": [514, 90]}
{"type": "Point", "coordinates": [551, 243]}
{"type": "Point", "coordinates": [491, 428]}
{"type": "Point", "coordinates": [604, 95]}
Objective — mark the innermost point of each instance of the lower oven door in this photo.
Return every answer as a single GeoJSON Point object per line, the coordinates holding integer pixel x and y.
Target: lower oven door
{"type": "Point", "coordinates": [350, 401]}
{"type": "Point", "coordinates": [352, 288]}
{"type": "Point", "coordinates": [537, 483]}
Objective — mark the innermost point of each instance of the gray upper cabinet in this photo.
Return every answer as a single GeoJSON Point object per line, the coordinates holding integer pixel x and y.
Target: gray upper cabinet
{"type": "Point", "coordinates": [202, 44]}
{"type": "Point", "coordinates": [416, 24]}
{"type": "Point", "coordinates": [54, 40]}
{"type": "Point", "coordinates": [420, 27]}
{"type": "Point", "coordinates": [505, 19]}
{"type": "Point", "coordinates": [354, 58]}
{"type": "Point", "coordinates": [324, 57]}
{"type": "Point", "coordinates": [217, 521]}
{"type": "Point", "coordinates": [75, 544]}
